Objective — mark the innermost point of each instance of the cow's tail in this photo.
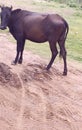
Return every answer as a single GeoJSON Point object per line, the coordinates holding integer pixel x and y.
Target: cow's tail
{"type": "Point", "coordinates": [67, 29]}
{"type": "Point", "coordinates": [64, 36]}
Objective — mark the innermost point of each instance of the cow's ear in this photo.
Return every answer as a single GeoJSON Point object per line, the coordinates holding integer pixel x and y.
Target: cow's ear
{"type": "Point", "coordinates": [11, 7]}
{"type": "Point", "coordinates": [1, 7]}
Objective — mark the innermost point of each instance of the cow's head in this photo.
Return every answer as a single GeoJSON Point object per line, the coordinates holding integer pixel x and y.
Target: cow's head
{"type": "Point", "coordinates": [5, 16]}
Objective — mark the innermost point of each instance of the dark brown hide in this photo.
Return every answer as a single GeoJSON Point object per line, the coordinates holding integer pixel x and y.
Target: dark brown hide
{"type": "Point", "coordinates": [37, 28]}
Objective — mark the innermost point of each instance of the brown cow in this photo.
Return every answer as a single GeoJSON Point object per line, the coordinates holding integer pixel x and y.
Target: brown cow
{"type": "Point", "coordinates": [37, 28]}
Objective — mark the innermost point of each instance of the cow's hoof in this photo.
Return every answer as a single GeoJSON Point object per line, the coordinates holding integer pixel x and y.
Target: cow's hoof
{"type": "Point", "coordinates": [47, 68]}
{"type": "Point", "coordinates": [13, 63]}
{"type": "Point", "coordinates": [19, 61]}
{"type": "Point", "coordinates": [64, 73]}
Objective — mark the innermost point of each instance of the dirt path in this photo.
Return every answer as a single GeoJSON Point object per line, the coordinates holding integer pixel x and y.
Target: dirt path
{"type": "Point", "coordinates": [34, 99]}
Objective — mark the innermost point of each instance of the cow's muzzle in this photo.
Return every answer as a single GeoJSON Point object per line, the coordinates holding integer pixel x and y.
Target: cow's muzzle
{"type": "Point", "coordinates": [3, 27]}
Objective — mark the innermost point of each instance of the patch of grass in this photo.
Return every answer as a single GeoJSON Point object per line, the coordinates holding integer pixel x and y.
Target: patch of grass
{"type": "Point", "coordinates": [73, 5]}
{"type": "Point", "coordinates": [78, 14]}
{"type": "Point", "coordinates": [40, 48]}
{"type": "Point", "coordinates": [74, 42]}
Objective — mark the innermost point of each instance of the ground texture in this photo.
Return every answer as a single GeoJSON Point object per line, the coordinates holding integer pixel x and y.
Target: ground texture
{"type": "Point", "coordinates": [34, 99]}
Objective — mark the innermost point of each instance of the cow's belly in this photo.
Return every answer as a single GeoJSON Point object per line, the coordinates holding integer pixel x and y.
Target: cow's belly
{"type": "Point", "coordinates": [36, 34]}
{"type": "Point", "coordinates": [36, 37]}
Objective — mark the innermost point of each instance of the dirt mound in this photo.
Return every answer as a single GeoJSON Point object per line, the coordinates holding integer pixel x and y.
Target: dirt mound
{"type": "Point", "coordinates": [46, 100]}
{"type": "Point", "coordinates": [35, 72]}
{"type": "Point", "coordinates": [7, 77]}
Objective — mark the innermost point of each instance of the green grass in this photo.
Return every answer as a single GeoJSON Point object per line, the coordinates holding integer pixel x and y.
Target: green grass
{"type": "Point", "coordinates": [74, 42]}
{"type": "Point", "coordinates": [40, 48]}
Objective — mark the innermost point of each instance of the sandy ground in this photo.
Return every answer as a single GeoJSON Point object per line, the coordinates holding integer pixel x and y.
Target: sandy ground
{"type": "Point", "coordinates": [34, 99]}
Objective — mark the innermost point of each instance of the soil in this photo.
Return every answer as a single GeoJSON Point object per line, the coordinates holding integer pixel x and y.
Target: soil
{"type": "Point", "coordinates": [32, 98]}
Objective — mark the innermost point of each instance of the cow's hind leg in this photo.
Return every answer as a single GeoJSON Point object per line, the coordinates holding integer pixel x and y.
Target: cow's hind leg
{"type": "Point", "coordinates": [54, 52]}
{"type": "Point", "coordinates": [63, 53]}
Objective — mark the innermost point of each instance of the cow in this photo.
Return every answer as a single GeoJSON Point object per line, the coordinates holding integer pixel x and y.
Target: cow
{"type": "Point", "coordinates": [37, 27]}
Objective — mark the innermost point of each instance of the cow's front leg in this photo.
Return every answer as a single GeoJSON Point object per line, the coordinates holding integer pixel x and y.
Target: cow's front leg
{"type": "Point", "coordinates": [21, 52]}
{"type": "Point", "coordinates": [17, 55]}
